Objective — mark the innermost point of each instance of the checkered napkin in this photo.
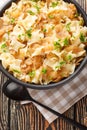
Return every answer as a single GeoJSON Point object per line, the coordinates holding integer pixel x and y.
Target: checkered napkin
{"type": "Point", "coordinates": [60, 98]}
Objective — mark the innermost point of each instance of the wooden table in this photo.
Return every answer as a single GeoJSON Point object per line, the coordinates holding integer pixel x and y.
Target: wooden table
{"type": "Point", "coordinates": [14, 116]}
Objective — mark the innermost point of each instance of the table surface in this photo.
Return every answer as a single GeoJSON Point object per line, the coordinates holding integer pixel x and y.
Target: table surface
{"type": "Point", "coordinates": [14, 116]}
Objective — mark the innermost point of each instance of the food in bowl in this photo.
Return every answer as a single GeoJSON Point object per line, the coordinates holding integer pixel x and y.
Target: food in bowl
{"type": "Point", "coordinates": [42, 42]}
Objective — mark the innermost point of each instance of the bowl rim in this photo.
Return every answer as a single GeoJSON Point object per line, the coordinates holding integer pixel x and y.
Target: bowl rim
{"type": "Point", "coordinates": [51, 85]}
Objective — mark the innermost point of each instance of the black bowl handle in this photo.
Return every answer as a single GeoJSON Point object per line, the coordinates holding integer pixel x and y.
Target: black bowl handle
{"type": "Point", "coordinates": [4, 90]}
{"type": "Point", "coordinates": [13, 90]}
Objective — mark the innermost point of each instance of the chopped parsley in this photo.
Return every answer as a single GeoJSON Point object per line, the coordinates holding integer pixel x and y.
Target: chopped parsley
{"type": "Point", "coordinates": [37, 8]}
{"type": "Point", "coordinates": [68, 26]}
{"type": "Point", "coordinates": [57, 44]}
{"type": "Point", "coordinates": [66, 42]}
{"type": "Point", "coordinates": [51, 16]}
{"type": "Point", "coordinates": [81, 22]}
{"type": "Point", "coordinates": [32, 73]}
{"type": "Point", "coordinates": [3, 46]}
{"type": "Point", "coordinates": [73, 37]}
{"type": "Point", "coordinates": [29, 33]}
{"type": "Point", "coordinates": [31, 12]}
{"type": "Point", "coordinates": [76, 15]}
{"type": "Point", "coordinates": [82, 37]}
{"type": "Point", "coordinates": [17, 71]}
{"type": "Point", "coordinates": [57, 67]}
{"type": "Point", "coordinates": [69, 57]}
{"type": "Point", "coordinates": [12, 21]}
{"type": "Point", "coordinates": [21, 36]}
{"type": "Point", "coordinates": [8, 33]}
{"type": "Point", "coordinates": [60, 64]}
{"type": "Point", "coordinates": [44, 30]}
{"type": "Point", "coordinates": [35, 0]}
{"type": "Point", "coordinates": [54, 4]}
{"type": "Point", "coordinates": [53, 27]}
{"type": "Point", "coordinates": [4, 51]}
{"type": "Point", "coordinates": [44, 71]}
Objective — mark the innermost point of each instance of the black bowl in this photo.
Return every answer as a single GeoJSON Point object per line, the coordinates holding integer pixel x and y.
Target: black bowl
{"type": "Point", "coordinates": [51, 85]}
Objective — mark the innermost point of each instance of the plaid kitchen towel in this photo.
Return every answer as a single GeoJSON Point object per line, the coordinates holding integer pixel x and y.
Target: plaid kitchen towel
{"type": "Point", "coordinates": [63, 97]}
{"type": "Point", "coordinates": [60, 98]}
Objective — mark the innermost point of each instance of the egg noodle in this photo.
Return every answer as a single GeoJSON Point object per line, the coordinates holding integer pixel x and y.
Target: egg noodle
{"type": "Point", "coordinates": [42, 42]}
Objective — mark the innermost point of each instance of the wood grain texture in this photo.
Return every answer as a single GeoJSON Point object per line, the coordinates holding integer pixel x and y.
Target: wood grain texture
{"type": "Point", "coordinates": [14, 116]}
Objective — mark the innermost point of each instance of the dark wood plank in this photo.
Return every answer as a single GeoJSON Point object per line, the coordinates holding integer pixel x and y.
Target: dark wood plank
{"type": "Point", "coordinates": [27, 117]}
{"type": "Point", "coordinates": [3, 106]}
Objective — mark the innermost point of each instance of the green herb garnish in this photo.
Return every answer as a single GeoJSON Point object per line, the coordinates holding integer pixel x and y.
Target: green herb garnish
{"type": "Point", "coordinates": [29, 33]}
{"type": "Point", "coordinates": [60, 64]}
{"type": "Point", "coordinates": [54, 4]}
{"type": "Point", "coordinates": [73, 37]}
{"type": "Point", "coordinates": [31, 12]}
{"type": "Point", "coordinates": [53, 27]}
{"type": "Point", "coordinates": [76, 15]}
{"type": "Point", "coordinates": [17, 71]}
{"type": "Point", "coordinates": [3, 46]}
{"type": "Point", "coordinates": [20, 36]}
{"type": "Point", "coordinates": [68, 26]}
{"type": "Point", "coordinates": [69, 57]}
{"type": "Point", "coordinates": [81, 22]}
{"type": "Point", "coordinates": [66, 42]}
{"type": "Point", "coordinates": [35, 0]}
{"type": "Point", "coordinates": [44, 30]}
{"type": "Point", "coordinates": [32, 73]}
{"type": "Point", "coordinates": [57, 67]}
{"type": "Point", "coordinates": [12, 21]}
{"type": "Point", "coordinates": [51, 16]}
{"type": "Point", "coordinates": [44, 71]}
{"type": "Point", "coordinates": [82, 37]}
{"type": "Point", "coordinates": [57, 44]}
{"type": "Point", "coordinates": [8, 33]}
{"type": "Point", "coordinates": [37, 8]}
